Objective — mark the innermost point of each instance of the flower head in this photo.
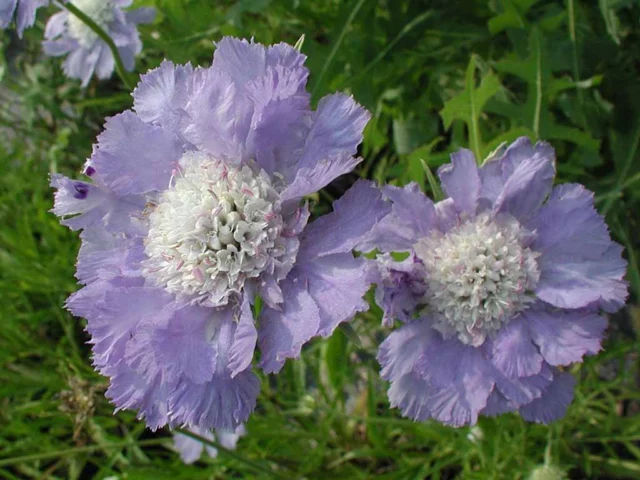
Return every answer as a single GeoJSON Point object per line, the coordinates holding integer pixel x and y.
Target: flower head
{"type": "Point", "coordinates": [503, 284]}
{"type": "Point", "coordinates": [87, 52]}
{"type": "Point", "coordinates": [194, 210]}
{"type": "Point", "coordinates": [22, 11]}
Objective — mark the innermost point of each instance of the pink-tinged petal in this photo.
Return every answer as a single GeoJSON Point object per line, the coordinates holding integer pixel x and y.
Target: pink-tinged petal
{"type": "Point", "coordinates": [461, 182]}
{"type": "Point", "coordinates": [282, 333]}
{"type": "Point", "coordinates": [565, 337]}
{"type": "Point", "coordinates": [135, 157]}
{"type": "Point", "coordinates": [579, 263]}
{"type": "Point", "coordinates": [553, 404]}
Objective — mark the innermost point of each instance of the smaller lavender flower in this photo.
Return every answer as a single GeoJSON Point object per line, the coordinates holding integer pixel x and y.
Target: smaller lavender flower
{"type": "Point", "coordinates": [87, 53]}
{"type": "Point", "coordinates": [23, 12]}
{"type": "Point", "coordinates": [191, 450]}
{"type": "Point", "coordinates": [504, 283]}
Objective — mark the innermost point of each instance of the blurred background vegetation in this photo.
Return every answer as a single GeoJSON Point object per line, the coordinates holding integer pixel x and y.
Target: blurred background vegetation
{"type": "Point", "coordinates": [437, 75]}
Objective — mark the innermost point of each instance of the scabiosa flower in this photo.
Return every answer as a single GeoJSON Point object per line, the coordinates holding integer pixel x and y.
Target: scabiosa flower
{"type": "Point", "coordinates": [87, 53]}
{"type": "Point", "coordinates": [191, 450]}
{"type": "Point", "coordinates": [22, 11]}
{"type": "Point", "coordinates": [500, 287]}
{"type": "Point", "coordinates": [194, 211]}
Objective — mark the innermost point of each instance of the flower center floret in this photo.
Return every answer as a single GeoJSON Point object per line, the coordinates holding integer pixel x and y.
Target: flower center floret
{"type": "Point", "coordinates": [479, 275]}
{"type": "Point", "coordinates": [213, 229]}
{"type": "Point", "coordinates": [100, 11]}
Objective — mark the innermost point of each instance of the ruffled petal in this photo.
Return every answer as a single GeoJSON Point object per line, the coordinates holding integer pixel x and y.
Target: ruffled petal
{"type": "Point", "coordinates": [223, 403]}
{"type": "Point", "coordinates": [135, 157]}
{"type": "Point", "coordinates": [461, 182]}
{"type": "Point", "coordinates": [26, 13]}
{"type": "Point", "coordinates": [353, 218]}
{"type": "Point", "coordinates": [553, 404]}
{"type": "Point", "coordinates": [579, 264]}
{"type": "Point", "coordinates": [460, 378]}
{"type": "Point", "coordinates": [412, 217]}
{"type": "Point", "coordinates": [401, 288]}
{"type": "Point", "coordinates": [128, 390]}
{"type": "Point", "coordinates": [218, 118]}
{"type": "Point", "coordinates": [564, 337]}
{"type": "Point", "coordinates": [337, 283]}
{"type": "Point", "coordinates": [332, 140]}
{"type": "Point", "coordinates": [176, 343]}
{"type": "Point", "coordinates": [524, 390]}
{"type": "Point", "coordinates": [282, 333]}
{"type": "Point", "coordinates": [432, 377]}
{"type": "Point", "coordinates": [104, 255]}
{"type": "Point", "coordinates": [528, 174]}
{"type": "Point", "coordinates": [513, 352]}
{"type": "Point", "coordinates": [7, 9]}
{"type": "Point", "coordinates": [244, 340]}
{"type": "Point", "coordinates": [161, 94]}
{"type": "Point", "coordinates": [114, 319]}
{"type": "Point", "coordinates": [93, 205]}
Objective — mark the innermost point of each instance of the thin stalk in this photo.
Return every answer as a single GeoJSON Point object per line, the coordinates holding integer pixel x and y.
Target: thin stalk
{"type": "Point", "coordinates": [336, 46]}
{"type": "Point", "coordinates": [73, 451]}
{"type": "Point", "coordinates": [122, 72]}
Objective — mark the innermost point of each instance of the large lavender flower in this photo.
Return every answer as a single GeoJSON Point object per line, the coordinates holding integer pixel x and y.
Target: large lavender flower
{"type": "Point", "coordinates": [87, 53]}
{"type": "Point", "coordinates": [22, 11]}
{"type": "Point", "coordinates": [194, 210]}
{"type": "Point", "coordinates": [499, 289]}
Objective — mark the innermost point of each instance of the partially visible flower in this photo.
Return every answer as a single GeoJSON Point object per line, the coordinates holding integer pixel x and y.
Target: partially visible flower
{"type": "Point", "coordinates": [87, 52]}
{"type": "Point", "coordinates": [23, 12]}
{"type": "Point", "coordinates": [194, 211]}
{"type": "Point", "coordinates": [547, 472]}
{"type": "Point", "coordinates": [503, 284]}
{"type": "Point", "coordinates": [191, 450]}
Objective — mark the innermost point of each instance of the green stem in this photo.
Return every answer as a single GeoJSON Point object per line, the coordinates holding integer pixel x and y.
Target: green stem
{"type": "Point", "coordinates": [73, 451]}
{"type": "Point", "coordinates": [122, 72]}
{"type": "Point", "coordinates": [230, 453]}
{"type": "Point", "coordinates": [336, 46]}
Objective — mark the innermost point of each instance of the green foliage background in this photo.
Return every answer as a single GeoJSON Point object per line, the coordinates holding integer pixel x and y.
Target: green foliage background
{"type": "Point", "coordinates": [437, 75]}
